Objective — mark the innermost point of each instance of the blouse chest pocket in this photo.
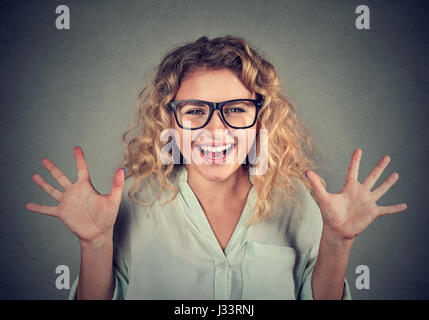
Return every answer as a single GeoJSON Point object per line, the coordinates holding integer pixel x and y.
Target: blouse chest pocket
{"type": "Point", "coordinates": [268, 272]}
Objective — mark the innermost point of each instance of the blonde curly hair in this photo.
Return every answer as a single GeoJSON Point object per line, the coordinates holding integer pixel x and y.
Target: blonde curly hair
{"type": "Point", "coordinates": [289, 142]}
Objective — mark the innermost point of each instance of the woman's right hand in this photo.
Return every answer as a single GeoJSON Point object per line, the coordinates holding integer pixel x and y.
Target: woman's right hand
{"type": "Point", "coordinates": [87, 213]}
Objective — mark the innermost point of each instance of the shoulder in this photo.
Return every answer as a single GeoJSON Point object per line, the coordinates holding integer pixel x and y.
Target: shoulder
{"type": "Point", "coordinates": [130, 210]}
{"type": "Point", "coordinates": [302, 216]}
{"type": "Point", "coordinates": [297, 202]}
{"type": "Point", "coordinates": [131, 213]}
{"type": "Point", "coordinates": [139, 195]}
{"type": "Point", "coordinates": [142, 190]}
{"type": "Point", "coordinates": [308, 209]}
{"type": "Point", "coordinates": [140, 200]}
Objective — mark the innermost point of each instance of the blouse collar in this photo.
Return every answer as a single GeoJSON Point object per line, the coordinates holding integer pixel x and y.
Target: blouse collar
{"type": "Point", "coordinates": [199, 218]}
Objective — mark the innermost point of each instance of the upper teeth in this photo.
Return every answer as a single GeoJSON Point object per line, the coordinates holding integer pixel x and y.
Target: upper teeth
{"type": "Point", "coordinates": [215, 149]}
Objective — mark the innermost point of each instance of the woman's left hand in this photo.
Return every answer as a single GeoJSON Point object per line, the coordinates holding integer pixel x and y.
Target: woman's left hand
{"type": "Point", "coordinates": [352, 210]}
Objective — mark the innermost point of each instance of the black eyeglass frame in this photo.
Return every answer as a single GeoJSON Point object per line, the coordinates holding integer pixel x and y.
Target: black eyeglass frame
{"type": "Point", "coordinates": [217, 106]}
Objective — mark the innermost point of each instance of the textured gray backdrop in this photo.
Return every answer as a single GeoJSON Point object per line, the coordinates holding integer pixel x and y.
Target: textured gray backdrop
{"type": "Point", "coordinates": [351, 88]}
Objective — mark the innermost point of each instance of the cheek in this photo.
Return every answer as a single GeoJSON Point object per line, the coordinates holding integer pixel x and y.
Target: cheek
{"type": "Point", "coordinates": [184, 138]}
{"type": "Point", "coordinates": [178, 134]}
{"type": "Point", "coordinates": [245, 138]}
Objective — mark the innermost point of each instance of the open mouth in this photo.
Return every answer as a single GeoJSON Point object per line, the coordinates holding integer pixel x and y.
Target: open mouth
{"type": "Point", "coordinates": [217, 152]}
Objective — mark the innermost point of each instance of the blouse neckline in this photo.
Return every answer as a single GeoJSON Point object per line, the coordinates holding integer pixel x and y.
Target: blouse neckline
{"type": "Point", "coordinates": [199, 219]}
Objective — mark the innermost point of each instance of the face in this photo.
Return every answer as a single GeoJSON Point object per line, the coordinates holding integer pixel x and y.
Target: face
{"type": "Point", "coordinates": [197, 145]}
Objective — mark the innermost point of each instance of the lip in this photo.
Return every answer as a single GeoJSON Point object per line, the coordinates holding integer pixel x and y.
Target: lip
{"type": "Point", "coordinates": [208, 158]}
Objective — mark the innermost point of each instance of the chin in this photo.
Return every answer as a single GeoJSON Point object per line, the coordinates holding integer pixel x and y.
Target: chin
{"type": "Point", "coordinates": [216, 172]}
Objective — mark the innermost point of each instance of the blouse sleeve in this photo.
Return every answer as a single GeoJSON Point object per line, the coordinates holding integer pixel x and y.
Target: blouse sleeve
{"type": "Point", "coordinates": [306, 292]}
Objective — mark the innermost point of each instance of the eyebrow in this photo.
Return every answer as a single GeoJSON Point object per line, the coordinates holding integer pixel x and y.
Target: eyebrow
{"type": "Point", "coordinates": [196, 103]}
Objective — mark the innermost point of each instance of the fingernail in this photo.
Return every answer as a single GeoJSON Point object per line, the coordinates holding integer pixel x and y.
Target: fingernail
{"type": "Point", "coordinates": [124, 172]}
{"type": "Point", "coordinates": [306, 174]}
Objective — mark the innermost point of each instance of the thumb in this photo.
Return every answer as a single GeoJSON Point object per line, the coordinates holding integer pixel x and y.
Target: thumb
{"type": "Point", "coordinates": [118, 186]}
{"type": "Point", "coordinates": [319, 190]}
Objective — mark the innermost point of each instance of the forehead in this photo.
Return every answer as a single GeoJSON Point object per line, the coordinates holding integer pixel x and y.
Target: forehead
{"type": "Point", "coordinates": [213, 85]}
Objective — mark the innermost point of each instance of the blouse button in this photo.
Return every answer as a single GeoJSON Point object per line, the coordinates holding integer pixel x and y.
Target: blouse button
{"type": "Point", "coordinates": [223, 264]}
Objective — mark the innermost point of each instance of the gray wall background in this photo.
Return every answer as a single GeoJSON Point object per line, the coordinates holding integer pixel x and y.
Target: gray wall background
{"type": "Point", "coordinates": [351, 88]}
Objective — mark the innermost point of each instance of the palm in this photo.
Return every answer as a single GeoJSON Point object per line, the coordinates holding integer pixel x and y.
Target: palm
{"type": "Point", "coordinates": [353, 209]}
{"type": "Point", "coordinates": [83, 210]}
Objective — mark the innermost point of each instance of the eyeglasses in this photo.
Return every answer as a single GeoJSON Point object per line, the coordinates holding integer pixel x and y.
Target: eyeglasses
{"type": "Point", "coordinates": [237, 113]}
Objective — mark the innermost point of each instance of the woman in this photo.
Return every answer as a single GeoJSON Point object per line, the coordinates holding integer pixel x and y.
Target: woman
{"type": "Point", "coordinates": [222, 223]}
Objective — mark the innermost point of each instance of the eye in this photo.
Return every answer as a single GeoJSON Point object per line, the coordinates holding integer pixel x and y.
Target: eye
{"type": "Point", "coordinates": [234, 110]}
{"type": "Point", "coordinates": [193, 108]}
{"type": "Point", "coordinates": [195, 111]}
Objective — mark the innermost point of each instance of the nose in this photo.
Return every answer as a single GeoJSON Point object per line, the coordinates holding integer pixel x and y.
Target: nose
{"type": "Point", "coordinates": [216, 122]}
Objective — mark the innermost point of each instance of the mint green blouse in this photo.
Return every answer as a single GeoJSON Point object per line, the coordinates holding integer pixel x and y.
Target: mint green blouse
{"type": "Point", "coordinates": [171, 252]}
